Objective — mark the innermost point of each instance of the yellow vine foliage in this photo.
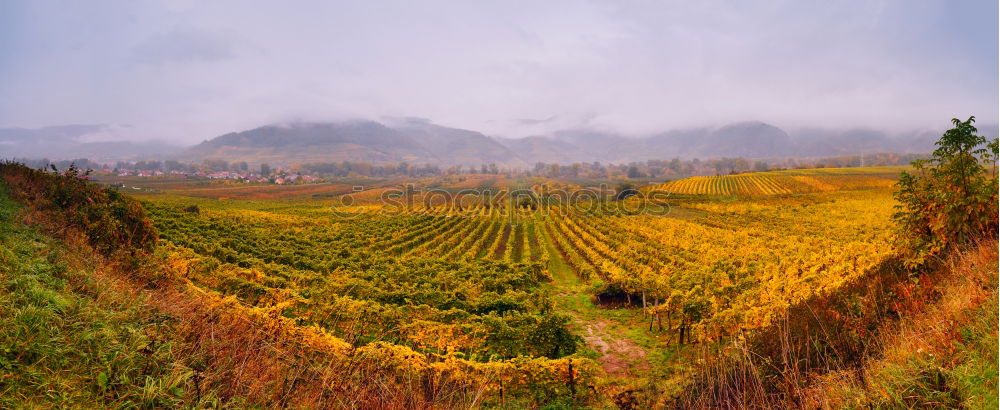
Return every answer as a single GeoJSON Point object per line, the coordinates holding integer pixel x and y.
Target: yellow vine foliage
{"type": "Point", "coordinates": [773, 183]}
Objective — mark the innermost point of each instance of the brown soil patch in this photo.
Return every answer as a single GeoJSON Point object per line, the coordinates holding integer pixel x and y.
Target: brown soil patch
{"type": "Point", "coordinates": [620, 356]}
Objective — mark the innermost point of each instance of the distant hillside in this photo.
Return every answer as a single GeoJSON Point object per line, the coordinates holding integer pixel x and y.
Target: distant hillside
{"type": "Point", "coordinates": [457, 146]}
{"type": "Point", "coordinates": [64, 142]}
{"type": "Point", "coordinates": [752, 139]}
{"type": "Point", "coordinates": [419, 141]}
{"type": "Point", "coordinates": [410, 140]}
{"type": "Point", "coordinates": [541, 149]}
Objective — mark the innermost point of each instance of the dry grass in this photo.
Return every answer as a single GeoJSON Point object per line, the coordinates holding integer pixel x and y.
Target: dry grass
{"type": "Point", "coordinates": [942, 357]}
{"type": "Point", "coordinates": [890, 340]}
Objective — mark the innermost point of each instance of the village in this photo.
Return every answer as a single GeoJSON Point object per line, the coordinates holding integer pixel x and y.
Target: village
{"type": "Point", "coordinates": [280, 177]}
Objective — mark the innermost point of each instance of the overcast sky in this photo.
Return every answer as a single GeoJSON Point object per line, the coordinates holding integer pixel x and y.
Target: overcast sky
{"type": "Point", "coordinates": [188, 71]}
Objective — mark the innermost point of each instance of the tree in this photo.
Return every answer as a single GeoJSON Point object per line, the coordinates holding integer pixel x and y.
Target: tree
{"type": "Point", "coordinates": [172, 165]}
{"type": "Point", "coordinates": [574, 170]}
{"type": "Point", "coordinates": [551, 338]}
{"type": "Point", "coordinates": [626, 190]}
{"type": "Point", "coordinates": [214, 165]}
{"type": "Point", "coordinates": [554, 170]}
{"type": "Point", "coordinates": [265, 170]}
{"type": "Point", "coordinates": [950, 199]}
{"type": "Point", "coordinates": [633, 172]}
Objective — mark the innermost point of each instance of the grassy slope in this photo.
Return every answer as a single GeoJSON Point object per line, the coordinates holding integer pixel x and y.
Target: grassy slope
{"type": "Point", "coordinates": [943, 357]}
{"type": "Point", "coordinates": [69, 338]}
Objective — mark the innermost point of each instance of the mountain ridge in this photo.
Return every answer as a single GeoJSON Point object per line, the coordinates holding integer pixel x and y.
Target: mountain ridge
{"type": "Point", "coordinates": [69, 142]}
{"type": "Point", "coordinates": [420, 141]}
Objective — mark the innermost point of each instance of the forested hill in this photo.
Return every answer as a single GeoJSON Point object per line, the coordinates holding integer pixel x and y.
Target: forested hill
{"type": "Point", "coordinates": [418, 141]}
{"type": "Point", "coordinates": [411, 141]}
{"type": "Point", "coordinates": [749, 139]}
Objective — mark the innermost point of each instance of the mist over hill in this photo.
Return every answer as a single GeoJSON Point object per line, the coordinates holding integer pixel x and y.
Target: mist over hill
{"type": "Point", "coordinates": [409, 140]}
{"type": "Point", "coordinates": [420, 141]}
{"type": "Point", "coordinates": [70, 142]}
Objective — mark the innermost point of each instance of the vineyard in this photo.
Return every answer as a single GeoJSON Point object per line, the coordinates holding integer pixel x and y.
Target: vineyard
{"type": "Point", "coordinates": [477, 282]}
{"type": "Point", "coordinates": [785, 182]}
{"type": "Point", "coordinates": [500, 296]}
{"type": "Point", "coordinates": [413, 278]}
{"type": "Point", "coordinates": [733, 269]}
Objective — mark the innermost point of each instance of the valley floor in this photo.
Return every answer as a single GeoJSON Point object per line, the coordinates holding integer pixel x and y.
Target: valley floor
{"type": "Point", "coordinates": [257, 302]}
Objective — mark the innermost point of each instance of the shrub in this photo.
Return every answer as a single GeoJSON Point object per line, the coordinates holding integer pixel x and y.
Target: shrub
{"type": "Point", "coordinates": [111, 221]}
{"type": "Point", "coordinates": [950, 199]}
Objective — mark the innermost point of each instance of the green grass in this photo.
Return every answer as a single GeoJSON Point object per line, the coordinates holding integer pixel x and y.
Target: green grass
{"type": "Point", "coordinates": [669, 363]}
{"type": "Point", "coordinates": [976, 376]}
{"type": "Point", "coordinates": [965, 379]}
{"type": "Point", "coordinates": [67, 340]}
{"type": "Point", "coordinates": [574, 296]}
{"type": "Point", "coordinates": [943, 357]}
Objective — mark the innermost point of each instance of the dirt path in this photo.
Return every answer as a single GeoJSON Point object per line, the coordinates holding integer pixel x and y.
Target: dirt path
{"type": "Point", "coordinates": [620, 356]}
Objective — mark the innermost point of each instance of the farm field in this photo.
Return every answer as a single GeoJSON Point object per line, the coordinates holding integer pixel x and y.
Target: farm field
{"type": "Point", "coordinates": [412, 206]}
{"type": "Point", "coordinates": [419, 292]}
{"type": "Point", "coordinates": [787, 182]}
{"type": "Point", "coordinates": [636, 295]}
{"type": "Point", "coordinates": [231, 189]}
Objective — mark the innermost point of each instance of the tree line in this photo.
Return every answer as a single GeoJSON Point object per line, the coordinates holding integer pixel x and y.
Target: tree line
{"type": "Point", "coordinates": [650, 169]}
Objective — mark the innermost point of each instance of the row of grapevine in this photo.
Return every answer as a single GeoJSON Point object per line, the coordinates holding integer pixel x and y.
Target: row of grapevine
{"type": "Point", "coordinates": [535, 245]}
{"type": "Point", "coordinates": [783, 182]}
{"type": "Point", "coordinates": [422, 225]}
{"type": "Point", "coordinates": [460, 245]}
{"type": "Point", "coordinates": [418, 237]}
{"type": "Point", "coordinates": [375, 278]}
{"type": "Point", "coordinates": [499, 239]}
{"type": "Point", "coordinates": [481, 243]}
{"type": "Point", "coordinates": [732, 266]}
{"type": "Point", "coordinates": [729, 185]}
{"type": "Point", "coordinates": [571, 254]}
{"type": "Point", "coordinates": [478, 237]}
{"type": "Point", "coordinates": [733, 269]}
{"type": "Point", "coordinates": [450, 242]}
{"type": "Point", "coordinates": [428, 245]}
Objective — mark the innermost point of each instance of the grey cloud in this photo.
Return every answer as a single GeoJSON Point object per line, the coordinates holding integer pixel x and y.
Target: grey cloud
{"type": "Point", "coordinates": [194, 70]}
{"type": "Point", "coordinates": [184, 46]}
